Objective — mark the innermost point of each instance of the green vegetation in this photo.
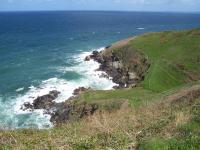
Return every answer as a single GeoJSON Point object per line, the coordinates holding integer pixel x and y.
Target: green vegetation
{"type": "Point", "coordinates": [188, 134]}
{"type": "Point", "coordinates": [175, 61]}
{"type": "Point", "coordinates": [136, 97]}
{"type": "Point", "coordinates": [167, 124]}
{"type": "Point", "coordinates": [163, 76]}
{"type": "Point", "coordinates": [163, 112]}
{"type": "Point", "coordinates": [175, 57]}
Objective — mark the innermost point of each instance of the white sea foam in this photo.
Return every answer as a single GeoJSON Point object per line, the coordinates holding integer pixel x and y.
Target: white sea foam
{"type": "Point", "coordinates": [89, 78]}
{"type": "Point", "coordinates": [11, 119]}
{"type": "Point", "coordinates": [19, 89]}
{"type": "Point", "coordinates": [140, 28]}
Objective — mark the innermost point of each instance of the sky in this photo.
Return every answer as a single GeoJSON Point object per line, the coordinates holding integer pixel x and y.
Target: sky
{"type": "Point", "coordinates": [122, 5]}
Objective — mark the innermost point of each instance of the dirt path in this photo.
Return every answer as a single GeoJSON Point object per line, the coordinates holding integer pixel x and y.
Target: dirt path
{"type": "Point", "coordinates": [121, 43]}
{"type": "Point", "coordinates": [188, 93]}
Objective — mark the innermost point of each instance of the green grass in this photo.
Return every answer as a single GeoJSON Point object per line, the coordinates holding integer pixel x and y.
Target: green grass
{"type": "Point", "coordinates": [186, 143]}
{"type": "Point", "coordinates": [174, 58]}
{"type": "Point", "coordinates": [163, 76]}
{"type": "Point", "coordinates": [186, 138]}
{"type": "Point", "coordinates": [172, 55]}
{"type": "Point", "coordinates": [136, 97]}
{"type": "Point", "coordinates": [118, 130]}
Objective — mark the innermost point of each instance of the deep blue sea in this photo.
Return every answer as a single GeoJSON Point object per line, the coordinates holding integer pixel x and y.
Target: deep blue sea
{"type": "Point", "coordinates": [44, 51]}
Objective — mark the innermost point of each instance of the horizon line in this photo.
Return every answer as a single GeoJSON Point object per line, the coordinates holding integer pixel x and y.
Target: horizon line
{"type": "Point", "coordinates": [169, 11]}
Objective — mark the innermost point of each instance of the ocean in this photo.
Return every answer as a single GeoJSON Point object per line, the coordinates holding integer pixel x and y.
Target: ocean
{"type": "Point", "coordinates": [44, 51]}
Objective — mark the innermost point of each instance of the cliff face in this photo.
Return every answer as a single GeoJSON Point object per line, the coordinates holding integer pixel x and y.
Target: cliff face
{"type": "Point", "coordinates": [125, 65]}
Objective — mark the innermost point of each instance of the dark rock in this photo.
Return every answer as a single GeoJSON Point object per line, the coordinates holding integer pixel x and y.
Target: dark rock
{"type": "Point", "coordinates": [72, 111]}
{"type": "Point", "coordinates": [104, 75]}
{"type": "Point", "coordinates": [27, 105]}
{"type": "Point", "coordinates": [117, 87]}
{"type": "Point", "coordinates": [99, 59]}
{"type": "Point", "coordinates": [87, 58]}
{"type": "Point", "coordinates": [114, 57]}
{"type": "Point", "coordinates": [43, 102]}
{"type": "Point", "coordinates": [54, 93]}
{"type": "Point", "coordinates": [95, 53]}
{"type": "Point", "coordinates": [96, 56]}
{"type": "Point", "coordinates": [62, 113]}
{"type": "Point", "coordinates": [65, 111]}
{"type": "Point", "coordinates": [108, 46]}
{"type": "Point", "coordinates": [80, 90]}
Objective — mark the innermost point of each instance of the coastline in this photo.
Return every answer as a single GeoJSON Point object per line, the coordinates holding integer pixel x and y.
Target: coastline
{"type": "Point", "coordinates": [161, 112]}
{"type": "Point", "coordinates": [109, 66]}
{"type": "Point", "coordinates": [47, 103]}
{"type": "Point", "coordinates": [120, 64]}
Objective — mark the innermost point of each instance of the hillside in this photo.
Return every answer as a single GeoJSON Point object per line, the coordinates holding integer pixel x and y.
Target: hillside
{"type": "Point", "coordinates": [175, 58]}
{"type": "Point", "coordinates": [159, 110]}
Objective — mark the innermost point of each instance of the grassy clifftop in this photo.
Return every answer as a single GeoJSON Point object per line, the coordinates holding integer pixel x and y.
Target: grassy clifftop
{"type": "Point", "coordinates": [161, 113]}
{"type": "Point", "coordinates": [175, 57]}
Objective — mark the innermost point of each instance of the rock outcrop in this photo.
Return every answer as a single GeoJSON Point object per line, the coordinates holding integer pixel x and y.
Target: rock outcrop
{"type": "Point", "coordinates": [80, 90]}
{"type": "Point", "coordinates": [87, 58]}
{"type": "Point", "coordinates": [125, 74]}
{"type": "Point", "coordinates": [46, 101]}
{"type": "Point", "coordinates": [43, 102]}
{"type": "Point", "coordinates": [71, 109]}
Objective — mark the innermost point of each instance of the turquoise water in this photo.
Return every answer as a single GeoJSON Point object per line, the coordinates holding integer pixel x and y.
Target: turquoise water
{"type": "Point", "coordinates": [42, 51]}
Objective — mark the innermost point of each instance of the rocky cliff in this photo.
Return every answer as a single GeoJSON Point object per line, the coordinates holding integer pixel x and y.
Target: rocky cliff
{"type": "Point", "coordinates": [123, 63]}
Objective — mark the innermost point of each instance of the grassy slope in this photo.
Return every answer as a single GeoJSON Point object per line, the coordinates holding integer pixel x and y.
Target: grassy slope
{"type": "Point", "coordinates": [164, 124]}
{"type": "Point", "coordinates": [174, 56]}
{"type": "Point", "coordinates": [175, 61]}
